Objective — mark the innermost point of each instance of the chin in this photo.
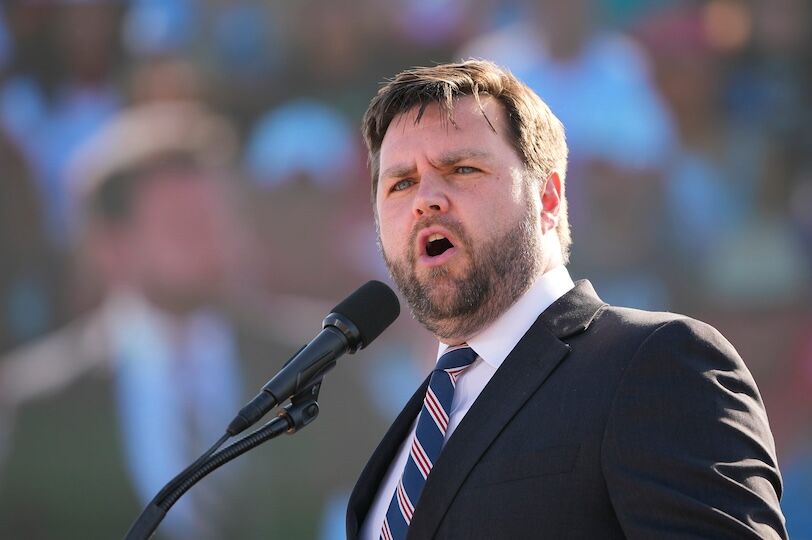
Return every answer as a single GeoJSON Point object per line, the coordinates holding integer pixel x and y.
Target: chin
{"type": "Point", "coordinates": [440, 290]}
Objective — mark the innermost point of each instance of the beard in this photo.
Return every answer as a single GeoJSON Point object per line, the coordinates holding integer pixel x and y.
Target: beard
{"type": "Point", "coordinates": [500, 270]}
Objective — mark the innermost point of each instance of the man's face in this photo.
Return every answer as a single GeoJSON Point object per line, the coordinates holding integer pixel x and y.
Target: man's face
{"type": "Point", "coordinates": [178, 238]}
{"type": "Point", "coordinates": [458, 219]}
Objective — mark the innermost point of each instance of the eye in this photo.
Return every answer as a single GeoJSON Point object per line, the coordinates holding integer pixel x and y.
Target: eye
{"type": "Point", "coordinates": [465, 169]}
{"type": "Point", "coordinates": [400, 185]}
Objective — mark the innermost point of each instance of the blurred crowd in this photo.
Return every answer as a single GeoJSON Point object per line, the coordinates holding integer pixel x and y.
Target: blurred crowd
{"type": "Point", "coordinates": [184, 195]}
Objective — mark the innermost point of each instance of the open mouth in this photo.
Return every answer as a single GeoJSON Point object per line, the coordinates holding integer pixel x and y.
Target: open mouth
{"type": "Point", "coordinates": [437, 244]}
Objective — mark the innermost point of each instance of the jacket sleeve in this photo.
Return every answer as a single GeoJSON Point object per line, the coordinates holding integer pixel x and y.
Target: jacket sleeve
{"type": "Point", "coordinates": [688, 451]}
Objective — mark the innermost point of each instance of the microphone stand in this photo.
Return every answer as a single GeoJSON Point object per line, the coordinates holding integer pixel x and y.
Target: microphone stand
{"type": "Point", "coordinates": [302, 409]}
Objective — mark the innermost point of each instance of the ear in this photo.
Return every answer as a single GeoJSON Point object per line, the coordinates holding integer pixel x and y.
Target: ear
{"type": "Point", "coordinates": [550, 201]}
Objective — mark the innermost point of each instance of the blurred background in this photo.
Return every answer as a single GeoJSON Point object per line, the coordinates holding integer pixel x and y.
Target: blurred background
{"type": "Point", "coordinates": [184, 196]}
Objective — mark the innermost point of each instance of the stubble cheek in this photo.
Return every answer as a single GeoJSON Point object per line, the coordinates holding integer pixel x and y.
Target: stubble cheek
{"type": "Point", "coordinates": [391, 246]}
{"type": "Point", "coordinates": [395, 230]}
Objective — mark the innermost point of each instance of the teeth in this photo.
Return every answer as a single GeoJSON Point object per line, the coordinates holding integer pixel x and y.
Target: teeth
{"type": "Point", "coordinates": [435, 236]}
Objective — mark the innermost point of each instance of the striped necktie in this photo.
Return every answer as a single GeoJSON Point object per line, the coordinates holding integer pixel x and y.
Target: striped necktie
{"type": "Point", "coordinates": [429, 435]}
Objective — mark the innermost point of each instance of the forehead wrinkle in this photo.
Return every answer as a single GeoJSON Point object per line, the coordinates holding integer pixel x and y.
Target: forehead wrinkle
{"type": "Point", "coordinates": [415, 117]}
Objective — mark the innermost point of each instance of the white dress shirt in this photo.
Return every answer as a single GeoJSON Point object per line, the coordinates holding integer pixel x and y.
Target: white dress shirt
{"type": "Point", "coordinates": [492, 346]}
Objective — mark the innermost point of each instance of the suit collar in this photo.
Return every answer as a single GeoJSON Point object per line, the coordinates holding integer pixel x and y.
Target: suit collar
{"type": "Point", "coordinates": [524, 370]}
{"type": "Point", "coordinates": [573, 312]}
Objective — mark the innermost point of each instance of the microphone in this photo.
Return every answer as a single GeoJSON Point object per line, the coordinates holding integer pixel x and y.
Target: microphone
{"type": "Point", "coordinates": [350, 326]}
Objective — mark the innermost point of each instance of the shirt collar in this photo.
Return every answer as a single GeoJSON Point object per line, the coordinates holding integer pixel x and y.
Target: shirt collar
{"type": "Point", "coordinates": [495, 342]}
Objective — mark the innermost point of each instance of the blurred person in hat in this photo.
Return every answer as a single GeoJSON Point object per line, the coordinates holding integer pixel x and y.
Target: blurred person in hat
{"type": "Point", "coordinates": [181, 337]}
{"type": "Point", "coordinates": [112, 406]}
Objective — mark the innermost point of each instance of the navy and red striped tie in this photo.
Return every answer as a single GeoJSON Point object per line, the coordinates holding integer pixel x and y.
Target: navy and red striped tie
{"type": "Point", "coordinates": [429, 436]}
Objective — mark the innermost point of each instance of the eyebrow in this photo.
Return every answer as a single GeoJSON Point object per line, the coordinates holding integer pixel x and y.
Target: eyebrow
{"type": "Point", "coordinates": [398, 171]}
{"type": "Point", "coordinates": [444, 160]}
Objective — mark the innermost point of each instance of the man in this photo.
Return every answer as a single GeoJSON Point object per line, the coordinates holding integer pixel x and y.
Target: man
{"type": "Point", "coordinates": [112, 406]}
{"type": "Point", "coordinates": [551, 414]}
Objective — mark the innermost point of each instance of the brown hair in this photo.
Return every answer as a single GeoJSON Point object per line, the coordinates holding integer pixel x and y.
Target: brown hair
{"type": "Point", "coordinates": [535, 133]}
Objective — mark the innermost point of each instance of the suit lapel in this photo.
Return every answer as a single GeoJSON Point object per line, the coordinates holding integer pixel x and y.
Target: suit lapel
{"type": "Point", "coordinates": [370, 480]}
{"type": "Point", "coordinates": [525, 369]}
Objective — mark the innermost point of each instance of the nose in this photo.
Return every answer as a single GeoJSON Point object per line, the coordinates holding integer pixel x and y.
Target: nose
{"type": "Point", "coordinates": [431, 196]}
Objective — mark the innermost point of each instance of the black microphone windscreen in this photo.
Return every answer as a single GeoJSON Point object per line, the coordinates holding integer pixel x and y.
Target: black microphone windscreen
{"type": "Point", "coordinates": [372, 308]}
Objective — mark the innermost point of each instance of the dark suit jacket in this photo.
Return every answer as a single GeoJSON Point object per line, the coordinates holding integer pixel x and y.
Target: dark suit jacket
{"type": "Point", "coordinates": [602, 422]}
